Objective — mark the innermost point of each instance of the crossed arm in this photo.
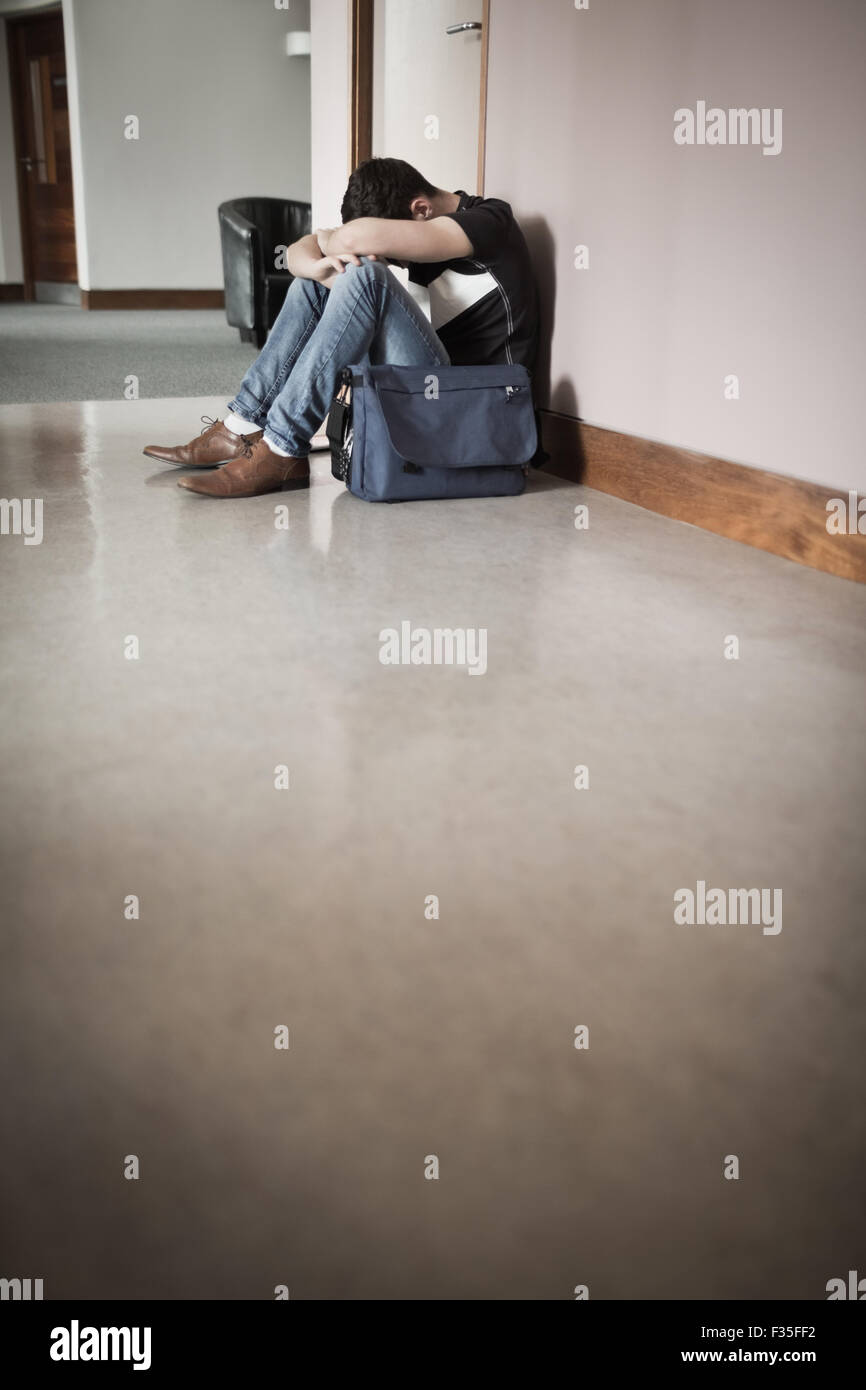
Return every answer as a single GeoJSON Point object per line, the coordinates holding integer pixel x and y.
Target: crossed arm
{"type": "Point", "coordinates": [325, 254]}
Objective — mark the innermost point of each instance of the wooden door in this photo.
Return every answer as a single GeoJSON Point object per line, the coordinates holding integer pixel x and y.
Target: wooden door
{"type": "Point", "coordinates": [41, 112]}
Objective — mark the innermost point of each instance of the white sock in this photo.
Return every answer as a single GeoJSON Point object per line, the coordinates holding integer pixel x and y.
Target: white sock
{"type": "Point", "coordinates": [238, 425]}
{"type": "Point", "coordinates": [276, 449]}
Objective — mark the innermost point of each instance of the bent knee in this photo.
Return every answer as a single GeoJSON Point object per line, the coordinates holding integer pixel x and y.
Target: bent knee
{"type": "Point", "coordinates": [369, 270]}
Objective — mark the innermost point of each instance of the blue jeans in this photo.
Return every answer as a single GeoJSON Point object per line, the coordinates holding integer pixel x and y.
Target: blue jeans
{"type": "Point", "coordinates": [366, 316]}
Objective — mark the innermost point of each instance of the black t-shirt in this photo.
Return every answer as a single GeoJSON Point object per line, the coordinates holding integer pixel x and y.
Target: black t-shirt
{"type": "Point", "coordinates": [484, 308]}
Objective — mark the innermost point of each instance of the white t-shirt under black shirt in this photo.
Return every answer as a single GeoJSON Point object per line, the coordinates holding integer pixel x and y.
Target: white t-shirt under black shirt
{"type": "Point", "coordinates": [483, 307]}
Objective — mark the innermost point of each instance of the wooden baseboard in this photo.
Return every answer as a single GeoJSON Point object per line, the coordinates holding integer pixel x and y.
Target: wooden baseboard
{"type": "Point", "coordinates": [11, 294]}
{"type": "Point", "coordinates": [152, 299]}
{"type": "Point", "coordinates": [771, 511]}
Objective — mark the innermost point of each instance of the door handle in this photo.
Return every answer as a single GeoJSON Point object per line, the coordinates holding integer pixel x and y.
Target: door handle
{"type": "Point", "coordinates": [460, 28]}
{"type": "Point", "coordinates": [27, 162]}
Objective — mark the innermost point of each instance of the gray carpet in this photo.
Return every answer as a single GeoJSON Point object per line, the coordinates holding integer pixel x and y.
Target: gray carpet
{"type": "Point", "coordinates": [54, 352]}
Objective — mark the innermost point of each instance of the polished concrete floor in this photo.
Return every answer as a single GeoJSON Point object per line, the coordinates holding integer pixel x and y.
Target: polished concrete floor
{"type": "Point", "coordinates": [413, 1036]}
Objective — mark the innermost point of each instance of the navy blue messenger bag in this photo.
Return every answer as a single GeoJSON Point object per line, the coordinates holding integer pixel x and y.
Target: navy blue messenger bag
{"type": "Point", "coordinates": [403, 434]}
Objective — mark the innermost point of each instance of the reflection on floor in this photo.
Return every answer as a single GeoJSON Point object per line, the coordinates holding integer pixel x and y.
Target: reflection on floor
{"type": "Point", "coordinates": [413, 1035]}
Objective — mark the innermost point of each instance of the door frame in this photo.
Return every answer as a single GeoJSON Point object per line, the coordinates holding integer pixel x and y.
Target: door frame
{"type": "Point", "coordinates": [361, 98]}
{"type": "Point", "coordinates": [15, 26]}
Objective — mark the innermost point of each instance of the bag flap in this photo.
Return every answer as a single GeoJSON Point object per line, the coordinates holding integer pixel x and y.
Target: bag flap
{"type": "Point", "coordinates": [457, 417]}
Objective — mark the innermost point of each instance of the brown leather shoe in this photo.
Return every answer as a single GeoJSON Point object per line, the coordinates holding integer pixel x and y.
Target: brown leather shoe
{"type": "Point", "coordinates": [258, 470]}
{"type": "Point", "coordinates": [216, 444]}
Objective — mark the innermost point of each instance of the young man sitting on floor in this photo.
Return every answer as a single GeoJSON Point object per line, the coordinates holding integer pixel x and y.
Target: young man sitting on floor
{"type": "Point", "coordinates": [470, 299]}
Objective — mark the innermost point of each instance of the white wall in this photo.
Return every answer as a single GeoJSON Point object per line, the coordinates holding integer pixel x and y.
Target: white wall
{"type": "Point", "coordinates": [330, 102]}
{"type": "Point", "coordinates": [223, 113]}
{"type": "Point", "coordinates": [706, 260]}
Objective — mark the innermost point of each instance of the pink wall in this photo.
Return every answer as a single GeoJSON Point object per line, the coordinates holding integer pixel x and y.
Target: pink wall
{"type": "Point", "coordinates": [704, 260]}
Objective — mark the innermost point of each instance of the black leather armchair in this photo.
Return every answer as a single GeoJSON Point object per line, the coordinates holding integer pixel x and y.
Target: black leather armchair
{"type": "Point", "coordinates": [250, 230]}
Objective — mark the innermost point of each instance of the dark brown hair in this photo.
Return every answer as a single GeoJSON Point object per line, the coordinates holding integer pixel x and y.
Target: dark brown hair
{"type": "Point", "coordinates": [383, 188]}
